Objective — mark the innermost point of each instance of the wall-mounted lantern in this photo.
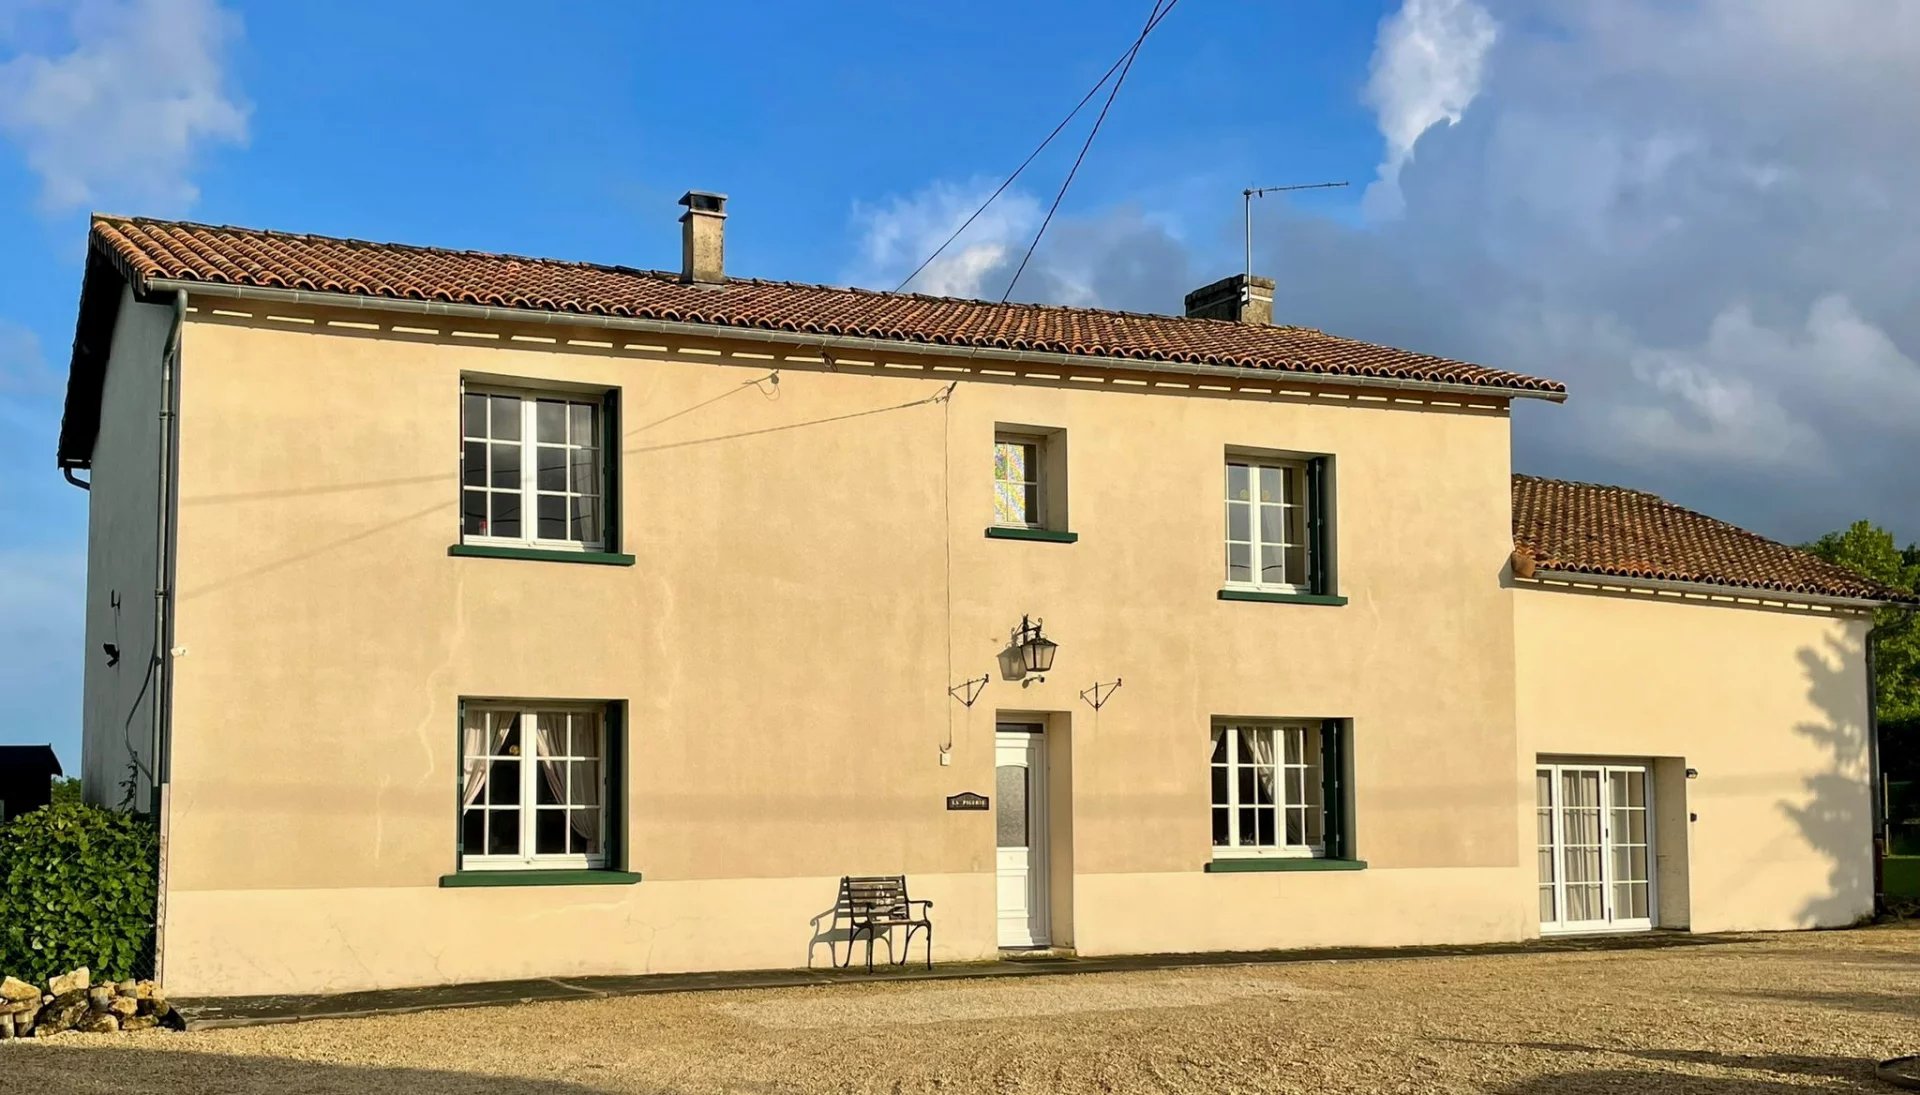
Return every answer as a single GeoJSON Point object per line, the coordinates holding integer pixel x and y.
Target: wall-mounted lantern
{"type": "Point", "coordinates": [1035, 650]}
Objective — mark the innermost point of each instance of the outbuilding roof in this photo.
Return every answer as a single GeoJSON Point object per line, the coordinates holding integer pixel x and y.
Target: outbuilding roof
{"type": "Point", "coordinates": [1589, 528]}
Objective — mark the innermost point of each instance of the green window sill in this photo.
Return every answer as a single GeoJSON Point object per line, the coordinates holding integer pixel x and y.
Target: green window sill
{"type": "Point", "coordinates": [1043, 535]}
{"type": "Point", "coordinates": [1234, 866]}
{"type": "Point", "coordinates": [1281, 598]}
{"type": "Point", "coordinates": [548, 555]}
{"type": "Point", "coordinates": [538, 878]}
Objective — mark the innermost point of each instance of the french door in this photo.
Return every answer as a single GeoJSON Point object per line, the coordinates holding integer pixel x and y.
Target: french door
{"type": "Point", "coordinates": [1595, 826]}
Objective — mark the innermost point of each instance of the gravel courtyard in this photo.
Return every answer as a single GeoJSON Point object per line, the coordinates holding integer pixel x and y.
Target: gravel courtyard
{"type": "Point", "coordinates": [1766, 1014]}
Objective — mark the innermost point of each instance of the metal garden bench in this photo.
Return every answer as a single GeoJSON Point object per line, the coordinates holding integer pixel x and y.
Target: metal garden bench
{"type": "Point", "coordinates": [873, 903]}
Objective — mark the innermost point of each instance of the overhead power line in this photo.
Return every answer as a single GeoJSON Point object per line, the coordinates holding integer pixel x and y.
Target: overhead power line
{"type": "Point", "coordinates": [1153, 17]}
{"type": "Point", "coordinates": [1121, 62]}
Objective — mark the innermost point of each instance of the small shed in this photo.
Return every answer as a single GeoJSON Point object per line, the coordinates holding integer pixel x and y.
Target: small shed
{"type": "Point", "coordinates": [26, 778]}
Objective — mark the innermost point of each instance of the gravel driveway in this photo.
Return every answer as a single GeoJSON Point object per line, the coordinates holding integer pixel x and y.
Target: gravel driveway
{"type": "Point", "coordinates": [1769, 1014]}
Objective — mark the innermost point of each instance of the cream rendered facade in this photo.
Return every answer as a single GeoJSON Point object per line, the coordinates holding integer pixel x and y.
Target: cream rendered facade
{"type": "Point", "coordinates": [812, 577]}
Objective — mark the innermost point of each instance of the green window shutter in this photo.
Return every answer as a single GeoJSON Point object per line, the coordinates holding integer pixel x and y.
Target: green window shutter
{"type": "Point", "coordinates": [459, 780]}
{"type": "Point", "coordinates": [616, 790]}
{"type": "Point", "coordinates": [610, 472]}
{"type": "Point", "coordinates": [1318, 571]}
{"type": "Point", "coordinates": [1333, 786]}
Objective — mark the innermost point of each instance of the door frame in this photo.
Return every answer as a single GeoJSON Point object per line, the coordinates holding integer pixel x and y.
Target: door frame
{"type": "Point", "coordinates": [1031, 738]}
{"type": "Point", "coordinates": [1603, 769]}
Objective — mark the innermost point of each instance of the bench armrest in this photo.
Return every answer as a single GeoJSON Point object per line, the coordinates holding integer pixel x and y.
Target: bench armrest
{"type": "Point", "coordinates": [919, 901]}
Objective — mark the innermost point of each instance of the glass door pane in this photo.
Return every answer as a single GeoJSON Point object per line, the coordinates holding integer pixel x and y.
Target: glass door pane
{"type": "Point", "coordinates": [1581, 855]}
{"type": "Point", "coordinates": [1549, 870]}
{"type": "Point", "coordinates": [1629, 845]}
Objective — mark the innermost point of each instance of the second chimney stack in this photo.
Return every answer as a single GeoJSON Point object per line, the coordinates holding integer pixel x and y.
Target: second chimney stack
{"type": "Point", "coordinates": [1238, 298]}
{"type": "Point", "coordinates": [703, 238]}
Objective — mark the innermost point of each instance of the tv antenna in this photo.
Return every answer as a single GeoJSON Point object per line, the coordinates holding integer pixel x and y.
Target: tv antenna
{"type": "Point", "coordinates": [1246, 212]}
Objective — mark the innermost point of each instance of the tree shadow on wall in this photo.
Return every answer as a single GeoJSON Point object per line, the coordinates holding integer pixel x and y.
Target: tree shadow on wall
{"type": "Point", "coordinates": [1836, 816]}
{"type": "Point", "coordinates": [70, 1069]}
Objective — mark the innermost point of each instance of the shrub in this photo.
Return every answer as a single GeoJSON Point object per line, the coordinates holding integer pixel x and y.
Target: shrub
{"type": "Point", "coordinates": [77, 888]}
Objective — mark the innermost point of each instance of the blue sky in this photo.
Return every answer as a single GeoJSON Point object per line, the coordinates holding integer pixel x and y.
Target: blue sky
{"type": "Point", "coordinates": [1693, 213]}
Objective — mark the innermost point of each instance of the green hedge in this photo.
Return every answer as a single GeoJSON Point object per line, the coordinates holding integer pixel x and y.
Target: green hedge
{"type": "Point", "coordinates": [77, 888]}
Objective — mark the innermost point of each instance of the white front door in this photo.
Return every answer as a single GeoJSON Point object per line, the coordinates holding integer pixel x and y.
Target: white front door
{"type": "Point", "coordinates": [1595, 825]}
{"type": "Point", "coordinates": [1020, 833]}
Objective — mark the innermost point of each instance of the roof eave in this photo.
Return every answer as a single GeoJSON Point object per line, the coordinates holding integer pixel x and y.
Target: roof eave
{"type": "Point", "coordinates": [492, 313]}
{"type": "Point", "coordinates": [1714, 590]}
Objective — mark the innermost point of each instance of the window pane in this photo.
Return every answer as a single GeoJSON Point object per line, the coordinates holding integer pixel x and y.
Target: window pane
{"type": "Point", "coordinates": [584, 478]}
{"type": "Point", "coordinates": [1239, 522]}
{"type": "Point", "coordinates": [586, 520]}
{"type": "Point", "coordinates": [1239, 565]}
{"type": "Point", "coordinates": [1010, 817]}
{"type": "Point", "coordinates": [473, 415]}
{"type": "Point", "coordinates": [1296, 564]}
{"type": "Point", "coordinates": [473, 512]}
{"type": "Point", "coordinates": [1249, 826]}
{"type": "Point", "coordinates": [1273, 524]}
{"type": "Point", "coordinates": [1222, 838]}
{"type": "Point", "coordinates": [473, 831]}
{"type": "Point", "coordinates": [1220, 783]}
{"type": "Point", "coordinates": [506, 514]}
{"type": "Point", "coordinates": [1296, 827]}
{"type": "Point", "coordinates": [551, 462]}
{"type": "Point", "coordinates": [1270, 489]}
{"type": "Point", "coordinates": [473, 464]}
{"type": "Point", "coordinates": [1246, 789]}
{"type": "Point", "coordinates": [1220, 746]}
{"type": "Point", "coordinates": [503, 836]}
{"type": "Point", "coordinates": [1265, 836]}
{"type": "Point", "coordinates": [1009, 504]}
{"type": "Point", "coordinates": [503, 782]}
{"type": "Point", "coordinates": [506, 467]}
{"type": "Point", "coordinates": [1237, 482]}
{"type": "Point", "coordinates": [550, 422]}
{"type": "Point", "coordinates": [585, 835]}
{"type": "Point", "coordinates": [553, 517]}
{"type": "Point", "coordinates": [550, 832]}
{"type": "Point", "coordinates": [581, 430]}
{"type": "Point", "coordinates": [1546, 904]}
{"type": "Point", "coordinates": [1293, 745]}
{"type": "Point", "coordinates": [505, 417]}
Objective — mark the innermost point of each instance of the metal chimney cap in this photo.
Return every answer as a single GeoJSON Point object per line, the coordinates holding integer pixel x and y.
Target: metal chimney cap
{"type": "Point", "coordinates": [704, 201]}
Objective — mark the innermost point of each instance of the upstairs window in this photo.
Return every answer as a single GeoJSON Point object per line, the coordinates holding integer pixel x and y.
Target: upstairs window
{"type": "Point", "coordinates": [534, 470]}
{"type": "Point", "coordinates": [1018, 466]}
{"type": "Point", "coordinates": [1276, 524]}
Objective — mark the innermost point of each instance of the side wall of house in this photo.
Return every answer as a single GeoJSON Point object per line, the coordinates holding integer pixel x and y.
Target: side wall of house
{"type": "Point", "coordinates": [116, 704]}
{"type": "Point", "coordinates": [812, 578]}
{"type": "Point", "coordinates": [1768, 707]}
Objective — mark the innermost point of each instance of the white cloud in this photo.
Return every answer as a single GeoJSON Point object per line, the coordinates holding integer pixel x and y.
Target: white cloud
{"type": "Point", "coordinates": [1427, 67]}
{"type": "Point", "coordinates": [122, 104]}
{"type": "Point", "coordinates": [900, 233]}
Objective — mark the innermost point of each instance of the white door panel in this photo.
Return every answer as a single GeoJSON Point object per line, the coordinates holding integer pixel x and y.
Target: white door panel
{"type": "Point", "coordinates": [1596, 847]}
{"type": "Point", "coordinates": [1020, 836]}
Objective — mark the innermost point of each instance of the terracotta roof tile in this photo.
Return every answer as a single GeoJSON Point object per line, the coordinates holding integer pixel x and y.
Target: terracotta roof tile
{"type": "Point", "coordinates": [144, 249]}
{"type": "Point", "coordinates": [1592, 529]}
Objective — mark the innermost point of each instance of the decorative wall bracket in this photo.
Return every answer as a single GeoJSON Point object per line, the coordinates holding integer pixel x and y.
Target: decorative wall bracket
{"type": "Point", "coordinates": [1099, 694]}
{"type": "Point", "coordinates": [969, 690]}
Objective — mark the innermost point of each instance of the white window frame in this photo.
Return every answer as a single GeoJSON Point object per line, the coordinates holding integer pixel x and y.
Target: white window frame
{"type": "Point", "coordinates": [1294, 474]}
{"type": "Point", "coordinates": [530, 445]}
{"type": "Point", "coordinates": [1311, 760]}
{"type": "Point", "coordinates": [1036, 467]}
{"type": "Point", "coordinates": [1611, 842]}
{"type": "Point", "coordinates": [529, 788]}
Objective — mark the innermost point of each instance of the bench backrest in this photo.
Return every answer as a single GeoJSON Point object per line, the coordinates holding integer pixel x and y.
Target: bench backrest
{"type": "Point", "coordinates": [867, 894]}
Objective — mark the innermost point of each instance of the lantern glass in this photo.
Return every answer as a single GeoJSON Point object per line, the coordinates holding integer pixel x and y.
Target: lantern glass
{"type": "Point", "coordinates": [1038, 653]}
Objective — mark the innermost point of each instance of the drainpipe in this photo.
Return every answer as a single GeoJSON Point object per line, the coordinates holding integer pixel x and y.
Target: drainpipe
{"type": "Point", "coordinates": [166, 488]}
{"type": "Point", "coordinates": [74, 479]}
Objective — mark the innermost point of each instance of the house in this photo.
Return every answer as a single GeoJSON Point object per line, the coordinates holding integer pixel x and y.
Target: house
{"type": "Point", "coordinates": [533, 618]}
{"type": "Point", "coordinates": [26, 778]}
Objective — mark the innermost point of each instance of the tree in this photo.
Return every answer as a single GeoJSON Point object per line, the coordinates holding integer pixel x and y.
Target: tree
{"type": "Point", "coordinates": [66, 790]}
{"type": "Point", "coordinates": [1868, 549]}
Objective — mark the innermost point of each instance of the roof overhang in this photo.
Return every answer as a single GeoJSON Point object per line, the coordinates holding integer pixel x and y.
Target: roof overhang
{"type": "Point", "coordinates": [1714, 592]}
